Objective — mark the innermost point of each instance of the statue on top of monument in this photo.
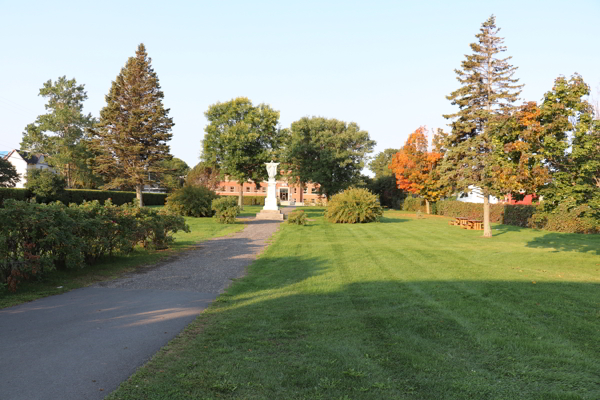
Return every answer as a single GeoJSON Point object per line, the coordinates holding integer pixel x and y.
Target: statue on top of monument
{"type": "Point", "coordinates": [272, 169]}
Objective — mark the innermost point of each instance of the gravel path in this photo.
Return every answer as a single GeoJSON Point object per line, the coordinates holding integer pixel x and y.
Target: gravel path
{"type": "Point", "coordinates": [84, 343]}
{"type": "Point", "coordinates": [210, 268]}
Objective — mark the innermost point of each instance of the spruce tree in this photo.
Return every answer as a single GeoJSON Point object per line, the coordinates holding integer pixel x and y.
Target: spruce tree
{"type": "Point", "coordinates": [488, 90]}
{"type": "Point", "coordinates": [131, 137]}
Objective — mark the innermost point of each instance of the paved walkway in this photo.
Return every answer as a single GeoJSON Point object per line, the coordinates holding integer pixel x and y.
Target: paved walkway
{"type": "Point", "coordinates": [84, 343]}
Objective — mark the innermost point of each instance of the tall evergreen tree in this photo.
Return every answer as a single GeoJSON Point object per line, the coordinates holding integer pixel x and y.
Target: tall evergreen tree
{"type": "Point", "coordinates": [488, 90]}
{"type": "Point", "coordinates": [61, 133]}
{"type": "Point", "coordinates": [131, 137]}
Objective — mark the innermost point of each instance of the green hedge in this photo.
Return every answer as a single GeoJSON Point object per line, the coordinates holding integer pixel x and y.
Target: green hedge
{"type": "Point", "coordinates": [413, 204]}
{"type": "Point", "coordinates": [78, 196]}
{"type": "Point", "coordinates": [518, 215]}
{"type": "Point", "coordinates": [254, 200]}
{"type": "Point", "coordinates": [13, 193]}
{"type": "Point", "coordinates": [453, 208]}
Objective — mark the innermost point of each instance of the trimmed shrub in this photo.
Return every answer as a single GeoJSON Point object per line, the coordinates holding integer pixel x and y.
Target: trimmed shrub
{"type": "Point", "coordinates": [413, 204]}
{"type": "Point", "coordinates": [297, 217]}
{"type": "Point", "coordinates": [564, 220]}
{"type": "Point", "coordinates": [518, 215]}
{"type": "Point", "coordinates": [191, 201]}
{"type": "Point", "coordinates": [254, 200]}
{"type": "Point", "coordinates": [226, 209]}
{"type": "Point", "coordinates": [13, 193]}
{"type": "Point", "coordinates": [352, 206]}
{"type": "Point", "coordinates": [454, 208]}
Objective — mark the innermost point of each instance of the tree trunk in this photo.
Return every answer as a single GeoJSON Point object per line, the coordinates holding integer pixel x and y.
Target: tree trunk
{"type": "Point", "coordinates": [487, 229]}
{"type": "Point", "coordinates": [241, 196]}
{"type": "Point", "coordinates": [427, 206]}
{"type": "Point", "coordinates": [138, 194]}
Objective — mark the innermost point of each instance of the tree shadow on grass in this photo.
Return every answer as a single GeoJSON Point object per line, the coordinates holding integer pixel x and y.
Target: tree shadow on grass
{"type": "Point", "coordinates": [390, 220]}
{"type": "Point", "coordinates": [568, 242]}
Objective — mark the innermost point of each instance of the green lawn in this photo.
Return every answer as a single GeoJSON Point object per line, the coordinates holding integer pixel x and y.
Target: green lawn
{"type": "Point", "coordinates": [111, 267]}
{"type": "Point", "coordinates": [405, 309]}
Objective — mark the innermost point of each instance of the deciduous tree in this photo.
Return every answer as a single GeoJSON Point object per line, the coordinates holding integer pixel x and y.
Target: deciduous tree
{"type": "Point", "coordinates": [8, 174]}
{"type": "Point", "coordinates": [328, 152]}
{"type": "Point", "coordinates": [203, 175]}
{"type": "Point", "coordinates": [488, 90]}
{"type": "Point", "coordinates": [381, 162]}
{"type": "Point", "coordinates": [61, 133]}
{"type": "Point", "coordinates": [131, 137]}
{"type": "Point", "coordinates": [240, 138]}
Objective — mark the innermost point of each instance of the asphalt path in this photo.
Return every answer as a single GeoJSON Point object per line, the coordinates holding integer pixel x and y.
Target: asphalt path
{"type": "Point", "coordinates": [84, 343]}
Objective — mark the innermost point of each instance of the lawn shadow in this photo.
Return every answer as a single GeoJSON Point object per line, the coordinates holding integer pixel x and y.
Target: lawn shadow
{"type": "Point", "coordinates": [391, 220]}
{"type": "Point", "coordinates": [501, 229]}
{"type": "Point", "coordinates": [568, 242]}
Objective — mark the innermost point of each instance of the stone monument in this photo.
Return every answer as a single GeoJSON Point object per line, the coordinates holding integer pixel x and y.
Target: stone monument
{"type": "Point", "coordinates": [270, 210]}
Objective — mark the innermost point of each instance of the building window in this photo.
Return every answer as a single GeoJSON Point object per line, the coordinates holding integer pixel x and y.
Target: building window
{"type": "Point", "coordinates": [314, 190]}
{"type": "Point", "coordinates": [222, 188]}
{"type": "Point", "coordinates": [264, 189]}
{"type": "Point", "coordinates": [295, 190]}
{"type": "Point", "coordinates": [305, 190]}
{"type": "Point", "coordinates": [248, 189]}
{"type": "Point", "coordinates": [231, 188]}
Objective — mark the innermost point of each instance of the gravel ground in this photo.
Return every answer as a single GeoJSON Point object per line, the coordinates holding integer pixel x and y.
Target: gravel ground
{"type": "Point", "coordinates": [207, 269]}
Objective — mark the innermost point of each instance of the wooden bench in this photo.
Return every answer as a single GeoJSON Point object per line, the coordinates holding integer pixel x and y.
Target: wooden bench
{"type": "Point", "coordinates": [475, 224]}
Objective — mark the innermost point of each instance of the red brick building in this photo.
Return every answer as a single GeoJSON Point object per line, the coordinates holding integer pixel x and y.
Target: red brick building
{"type": "Point", "coordinates": [286, 193]}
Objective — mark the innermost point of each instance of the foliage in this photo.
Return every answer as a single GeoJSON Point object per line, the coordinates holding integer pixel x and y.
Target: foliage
{"type": "Point", "coordinates": [566, 219]}
{"type": "Point", "coordinates": [413, 204]}
{"type": "Point", "coordinates": [387, 190]}
{"type": "Point", "coordinates": [203, 175]}
{"type": "Point", "coordinates": [45, 184]}
{"type": "Point", "coordinates": [61, 133]}
{"type": "Point", "coordinates": [415, 167]}
{"type": "Point", "coordinates": [131, 144]}
{"type": "Point", "coordinates": [519, 215]}
{"type": "Point", "coordinates": [571, 147]}
{"type": "Point", "coordinates": [254, 200]}
{"type": "Point", "coordinates": [36, 238]}
{"type": "Point", "coordinates": [297, 217]}
{"type": "Point", "coordinates": [381, 163]}
{"type": "Point", "coordinates": [226, 209]}
{"type": "Point", "coordinates": [452, 208]}
{"type": "Point", "coordinates": [173, 175]}
{"type": "Point", "coordinates": [487, 91]}
{"type": "Point", "coordinates": [326, 151]}
{"type": "Point", "coordinates": [240, 138]}
{"type": "Point", "coordinates": [191, 201]}
{"type": "Point", "coordinates": [8, 174]}
{"type": "Point", "coordinates": [353, 205]}
{"type": "Point", "coordinates": [78, 196]}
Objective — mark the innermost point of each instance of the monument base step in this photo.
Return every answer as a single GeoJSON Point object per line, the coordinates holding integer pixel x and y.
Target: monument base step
{"type": "Point", "coordinates": [270, 214]}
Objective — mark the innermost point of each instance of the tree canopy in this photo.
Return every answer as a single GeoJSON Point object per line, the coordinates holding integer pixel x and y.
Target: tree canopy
{"type": "Point", "coordinates": [174, 172]}
{"type": "Point", "coordinates": [8, 174]}
{"type": "Point", "coordinates": [381, 163]}
{"type": "Point", "coordinates": [131, 137]}
{"type": "Point", "coordinates": [329, 152]}
{"type": "Point", "coordinates": [61, 133]}
{"type": "Point", "coordinates": [240, 138]}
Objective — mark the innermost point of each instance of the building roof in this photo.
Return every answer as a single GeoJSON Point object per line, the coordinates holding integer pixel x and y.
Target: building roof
{"type": "Point", "coordinates": [30, 158]}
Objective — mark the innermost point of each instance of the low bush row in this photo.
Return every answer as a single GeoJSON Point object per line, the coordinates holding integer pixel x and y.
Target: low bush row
{"type": "Point", "coordinates": [37, 238]}
{"type": "Point", "coordinates": [78, 196]}
{"type": "Point", "coordinates": [254, 200]}
{"type": "Point", "coordinates": [454, 208]}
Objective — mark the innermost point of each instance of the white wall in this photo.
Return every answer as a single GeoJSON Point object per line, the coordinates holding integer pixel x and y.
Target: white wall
{"type": "Point", "coordinates": [475, 196]}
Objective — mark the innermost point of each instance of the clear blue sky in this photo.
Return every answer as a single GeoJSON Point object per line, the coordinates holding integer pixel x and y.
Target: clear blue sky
{"type": "Point", "coordinates": [386, 65]}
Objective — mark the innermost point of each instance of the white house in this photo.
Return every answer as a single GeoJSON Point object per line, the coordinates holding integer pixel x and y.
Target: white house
{"type": "Point", "coordinates": [474, 196]}
{"type": "Point", "coordinates": [23, 161]}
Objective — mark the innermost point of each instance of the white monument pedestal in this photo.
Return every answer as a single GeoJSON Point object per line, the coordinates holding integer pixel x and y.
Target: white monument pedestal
{"type": "Point", "coordinates": [270, 210]}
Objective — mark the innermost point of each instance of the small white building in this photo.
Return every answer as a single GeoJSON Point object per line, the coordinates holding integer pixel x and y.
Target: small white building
{"type": "Point", "coordinates": [474, 196]}
{"type": "Point", "coordinates": [23, 161]}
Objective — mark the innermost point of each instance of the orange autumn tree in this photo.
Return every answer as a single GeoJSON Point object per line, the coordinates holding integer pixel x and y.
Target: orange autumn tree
{"type": "Point", "coordinates": [415, 166]}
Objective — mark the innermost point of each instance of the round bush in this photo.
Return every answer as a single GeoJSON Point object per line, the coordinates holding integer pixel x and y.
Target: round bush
{"type": "Point", "coordinates": [191, 201]}
{"type": "Point", "coordinates": [226, 209]}
{"type": "Point", "coordinates": [353, 206]}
